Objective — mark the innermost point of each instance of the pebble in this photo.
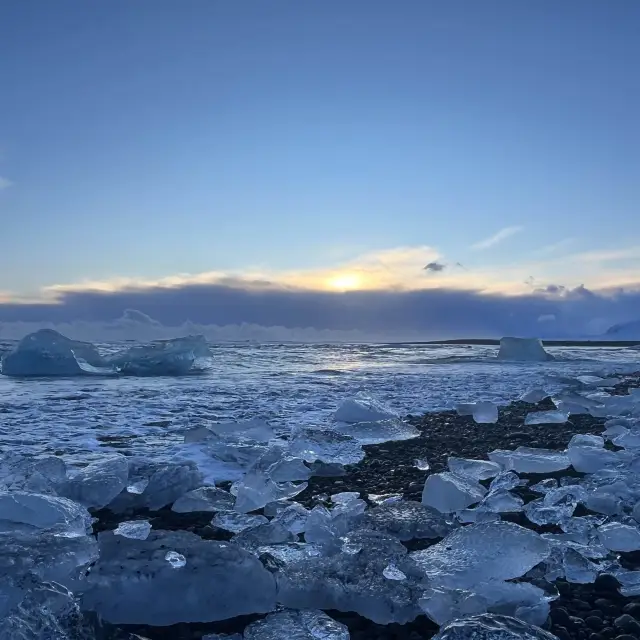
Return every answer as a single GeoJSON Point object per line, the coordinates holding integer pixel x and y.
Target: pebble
{"type": "Point", "coordinates": [594, 622]}
{"type": "Point", "coordinates": [633, 608]}
{"type": "Point", "coordinates": [627, 623]}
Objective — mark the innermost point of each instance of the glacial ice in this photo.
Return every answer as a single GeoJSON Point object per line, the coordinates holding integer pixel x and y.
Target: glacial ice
{"type": "Point", "coordinates": [22, 511]}
{"type": "Point", "coordinates": [268, 534]}
{"type": "Point", "coordinates": [168, 483]}
{"type": "Point", "coordinates": [482, 412]}
{"type": "Point", "coordinates": [257, 489]}
{"type": "Point", "coordinates": [97, 484]}
{"type": "Point", "coordinates": [523, 349]}
{"type": "Point", "coordinates": [325, 445]}
{"type": "Point", "coordinates": [293, 518]}
{"type": "Point", "coordinates": [23, 473]}
{"type": "Point", "coordinates": [502, 501]}
{"type": "Point", "coordinates": [448, 492]}
{"type": "Point", "coordinates": [362, 408]}
{"type": "Point", "coordinates": [176, 357]}
{"type": "Point", "coordinates": [474, 469]}
{"type": "Point", "coordinates": [48, 353]}
{"type": "Point", "coordinates": [355, 581]}
{"type": "Point", "coordinates": [137, 529]}
{"type": "Point", "coordinates": [619, 537]}
{"type": "Point", "coordinates": [379, 431]}
{"type": "Point", "coordinates": [492, 627]}
{"type": "Point", "coordinates": [296, 625]}
{"type": "Point", "coordinates": [533, 396]}
{"type": "Point", "coordinates": [530, 460]}
{"type": "Point", "coordinates": [406, 520]}
{"type": "Point", "coordinates": [237, 522]}
{"type": "Point", "coordinates": [134, 583]}
{"type": "Point", "coordinates": [546, 417]}
{"type": "Point", "coordinates": [209, 499]}
{"type": "Point", "coordinates": [480, 553]}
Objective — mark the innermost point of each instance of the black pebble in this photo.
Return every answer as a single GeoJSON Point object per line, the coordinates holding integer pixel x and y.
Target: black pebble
{"type": "Point", "coordinates": [594, 622]}
{"type": "Point", "coordinates": [626, 636]}
{"type": "Point", "coordinates": [633, 608]}
{"type": "Point", "coordinates": [561, 633]}
{"type": "Point", "coordinates": [606, 582]}
{"type": "Point", "coordinates": [627, 623]}
{"type": "Point", "coordinates": [560, 617]}
{"type": "Point", "coordinates": [596, 636]}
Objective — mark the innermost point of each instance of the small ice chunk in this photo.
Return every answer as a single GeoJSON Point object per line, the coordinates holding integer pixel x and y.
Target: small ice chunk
{"type": "Point", "coordinates": [530, 460]}
{"type": "Point", "coordinates": [99, 483]}
{"type": "Point", "coordinates": [270, 533]}
{"type": "Point", "coordinates": [206, 499]}
{"type": "Point", "coordinates": [483, 412]}
{"type": "Point", "coordinates": [327, 469]}
{"type": "Point", "coordinates": [448, 492]}
{"type": "Point", "coordinates": [257, 489]}
{"type": "Point", "coordinates": [137, 488]}
{"type": "Point", "coordinates": [385, 498]}
{"type": "Point", "coordinates": [344, 497]}
{"type": "Point", "coordinates": [175, 559]}
{"type": "Point", "coordinates": [546, 417]}
{"type": "Point", "coordinates": [168, 483]}
{"type": "Point", "coordinates": [502, 501]}
{"type": "Point", "coordinates": [421, 464]}
{"type": "Point", "coordinates": [289, 469]}
{"type": "Point", "coordinates": [474, 469]}
{"type": "Point", "coordinates": [257, 430]}
{"type": "Point", "coordinates": [586, 440]}
{"type": "Point", "coordinates": [477, 515]}
{"type": "Point", "coordinates": [236, 522]}
{"type": "Point", "coordinates": [544, 485]}
{"type": "Point", "coordinates": [577, 568]}
{"type": "Point", "coordinates": [391, 572]}
{"type": "Point", "coordinates": [592, 459]}
{"type": "Point", "coordinates": [540, 513]}
{"type": "Point", "coordinates": [293, 518]}
{"type": "Point", "coordinates": [492, 627]}
{"type": "Point", "coordinates": [480, 553]}
{"type": "Point", "coordinates": [619, 537]}
{"type": "Point", "coordinates": [506, 481]}
{"type": "Point", "coordinates": [523, 349]}
{"type": "Point", "coordinates": [136, 529]}
{"type": "Point", "coordinates": [406, 520]}
{"type": "Point", "coordinates": [533, 396]}
{"type": "Point", "coordinates": [326, 445]}
{"type": "Point", "coordinates": [296, 625]}
{"type": "Point", "coordinates": [379, 431]}
{"type": "Point", "coordinates": [362, 408]}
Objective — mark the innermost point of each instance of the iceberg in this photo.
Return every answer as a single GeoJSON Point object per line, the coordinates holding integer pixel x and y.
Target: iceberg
{"type": "Point", "coordinates": [49, 353]}
{"type": "Point", "coordinates": [176, 357]}
{"type": "Point", "coordinates": [134, 582]}
{"type": "Point", "coordinates": [523, 349]}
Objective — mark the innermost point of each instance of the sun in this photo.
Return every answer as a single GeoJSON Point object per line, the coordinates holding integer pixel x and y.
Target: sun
{"type": "Point", "coordinates": [345, 282]}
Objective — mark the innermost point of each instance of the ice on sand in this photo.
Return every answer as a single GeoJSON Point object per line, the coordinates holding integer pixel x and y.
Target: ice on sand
{"type": "Point", "coordinates": [529, 460]}
{"type": "Point", "coordinates": [296, 625]}
{"type": "Point", "coordinates": [257, 489]}
{"type": "Point", "coordinates": [137, 529]}
{"type": "Point", "coordinates": [362, 408]}
{"type": "Point", "coordinates": [326, 445]}
{"type": "Point", "coordinates": [22, 511]}
{"type": "Point", "coordinates": [619, 537]}
{"type": "Point", "coordinates": [256, 430]}
{"type": "Point", "coordinates": [481, 553]}
{"type": "Point", "coordinates": [533, 396]}
{"type": "Point", "coordinates": [483, 412]}
{"type": "Point", "coordinates": [379, 432]}
{"type": "Point", "coordinates": [209, 499]}
{"type": "Point", "coordinates": [448, 492]}
{"type": "Point", "coordinates": [406, 520]}
{"type": "Point", "coordinates": [523, 349]}
{"type": "Point", "coordinates": [134, 583]}
{"type": "Point", "coordinates": [97, 484]}
{"type": "Point", "coordinates": [546, 417]}
{"type": "Point", "coordinates": [169, 483]}
{"type": "Point", "coordinates": [355, 581]}
{"type": "Point", "coordinates": [237, 522]}
{"type": "Point", "coordinates": [474, 469]}
{"type": "Point", "coordinates": [492, 627]}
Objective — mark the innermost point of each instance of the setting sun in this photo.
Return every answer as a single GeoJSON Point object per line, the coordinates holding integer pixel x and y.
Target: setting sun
{"type": "Point", "coordinates": [345, 282]}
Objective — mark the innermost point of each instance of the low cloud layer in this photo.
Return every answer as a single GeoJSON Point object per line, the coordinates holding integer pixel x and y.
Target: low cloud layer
{"type": "Point", "coordinates": [235, 311]}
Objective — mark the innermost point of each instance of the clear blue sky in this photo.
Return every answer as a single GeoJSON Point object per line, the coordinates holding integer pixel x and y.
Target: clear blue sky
{"type": "Point", "coordinates": [153, 137]}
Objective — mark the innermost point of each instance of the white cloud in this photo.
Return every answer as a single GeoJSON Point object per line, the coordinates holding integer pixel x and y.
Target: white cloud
{"type": "Point", "coordinates": [4, 183]}
{"type": "Point", "coordinates": [555, 246]}
{"type": "Point", "coordinates": [497, 238]}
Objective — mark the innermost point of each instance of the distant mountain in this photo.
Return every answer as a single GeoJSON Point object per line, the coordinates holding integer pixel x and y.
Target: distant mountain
{"type": "Point", "coordinates": [624, 331]}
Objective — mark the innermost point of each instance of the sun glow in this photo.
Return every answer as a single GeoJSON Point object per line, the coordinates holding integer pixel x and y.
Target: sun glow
{"type": "Point", "coordinates": [345, 282]}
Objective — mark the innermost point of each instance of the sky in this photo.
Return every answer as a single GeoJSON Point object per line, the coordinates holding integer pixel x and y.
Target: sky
{"type": "Point", "coordinates": [342, 151]}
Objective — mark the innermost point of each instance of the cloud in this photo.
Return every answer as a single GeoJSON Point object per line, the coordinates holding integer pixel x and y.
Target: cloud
{"type": "Point", "coordinates": [497, 238]}
{"type": "Point", "coordinates": [234, 311]}
{"type": "Point", "coordinates": [435, 267]}
{"type": "Point", "coordinates": [555, 246]}
{"type": "Point", "coordinates": [4, 183]}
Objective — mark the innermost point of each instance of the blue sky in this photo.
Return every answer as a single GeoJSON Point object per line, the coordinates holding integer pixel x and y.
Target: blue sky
{"type": "Point", "coordinates": [302, 142]}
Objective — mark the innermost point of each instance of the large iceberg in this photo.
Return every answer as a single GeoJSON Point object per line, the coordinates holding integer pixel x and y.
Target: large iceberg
{"type": "Point", "coordinates": [49, 353]}
{"type": "Point", "coordinates": [527, 349]}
